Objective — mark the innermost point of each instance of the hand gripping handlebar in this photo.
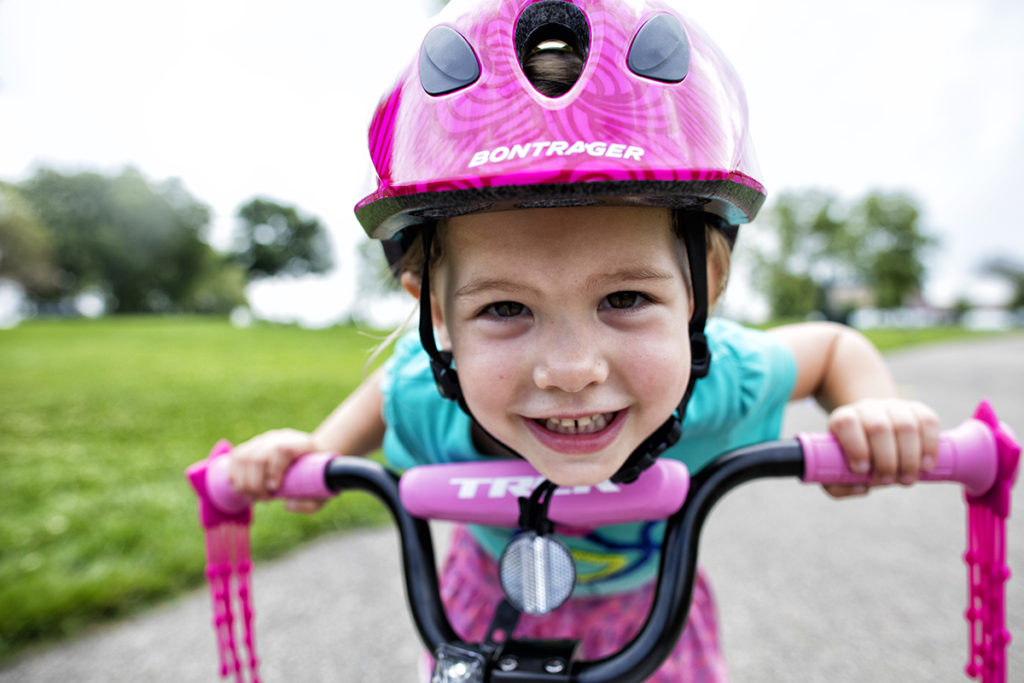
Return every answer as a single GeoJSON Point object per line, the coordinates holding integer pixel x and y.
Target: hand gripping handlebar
{"type": "Point", "coordinates": [981, 454]}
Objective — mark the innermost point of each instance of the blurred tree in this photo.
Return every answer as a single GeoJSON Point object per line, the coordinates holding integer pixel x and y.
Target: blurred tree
{"type": "Point", "coordinates": [218, 287]}
{"type": "Point", "coordinates": [1012, 272]}
{"type": "Point", "coordinates": [888, 245]}
{"type": "Point", "coordinates": [141, 245]}
{"type": "Point", "coordinates": [827, 252]}
{"type": "Point", "coordinates": [275, 239]}
{"type": "Point", "coordinates": [807, 258]}
{"type": "Point", "coordinates": [26, 252]}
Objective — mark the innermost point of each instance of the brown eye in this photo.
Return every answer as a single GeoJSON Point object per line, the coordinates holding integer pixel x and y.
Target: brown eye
{"type": "Point", "coordinates": [505, 309]}
{"type": "Point", "coordinates": [624, 299]}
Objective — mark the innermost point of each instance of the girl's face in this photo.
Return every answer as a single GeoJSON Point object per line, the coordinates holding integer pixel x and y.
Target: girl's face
{"type": "Point", "coordinates": [569, 331]}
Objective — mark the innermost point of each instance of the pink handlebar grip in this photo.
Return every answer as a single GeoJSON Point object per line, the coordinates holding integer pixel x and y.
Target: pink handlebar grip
{"type": "Point", "coordinates": [488, 492]}
{"type": "Point", "coordinates": [967, 454]}
{"type": "Point", "coordinates": [304, 479]}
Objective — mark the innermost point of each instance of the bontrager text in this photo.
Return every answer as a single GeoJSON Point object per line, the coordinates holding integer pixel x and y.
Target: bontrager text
{"type": "Point", "coordinates": [556, 148]}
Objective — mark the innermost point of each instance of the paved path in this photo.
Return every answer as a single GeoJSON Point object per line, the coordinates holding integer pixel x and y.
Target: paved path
{"type": "Point", "coordinates": [808, 589]}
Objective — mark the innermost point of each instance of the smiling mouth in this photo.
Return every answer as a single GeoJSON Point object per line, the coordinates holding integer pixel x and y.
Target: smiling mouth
{"type": "Point", "coordinates": [582, 425]}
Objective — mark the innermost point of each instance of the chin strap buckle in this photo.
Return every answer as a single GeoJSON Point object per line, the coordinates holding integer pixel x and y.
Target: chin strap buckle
{"type": "Point", "coordinates": [445, 376]}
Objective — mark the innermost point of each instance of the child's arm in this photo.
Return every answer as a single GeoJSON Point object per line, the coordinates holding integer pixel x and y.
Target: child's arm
{"type": "Point", "coordinates": [355, 427]}
{"type": "Point", "coordinates": [877, 429]}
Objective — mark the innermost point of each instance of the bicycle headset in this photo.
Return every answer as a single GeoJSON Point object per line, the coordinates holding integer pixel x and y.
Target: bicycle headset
{"type": "Point", "coordinates": [656, 117]}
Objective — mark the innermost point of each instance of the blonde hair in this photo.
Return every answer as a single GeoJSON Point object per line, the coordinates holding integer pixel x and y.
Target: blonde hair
{"type": "Point", "coordinates": [719, 262]}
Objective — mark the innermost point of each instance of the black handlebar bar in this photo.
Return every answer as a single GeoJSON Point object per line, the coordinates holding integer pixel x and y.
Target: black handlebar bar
{"type": "Point", "coordinates": [640, 658]}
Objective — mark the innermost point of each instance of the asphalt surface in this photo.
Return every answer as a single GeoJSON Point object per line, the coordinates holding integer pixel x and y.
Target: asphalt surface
{"type": "Point", "coordinates": [808, 588]}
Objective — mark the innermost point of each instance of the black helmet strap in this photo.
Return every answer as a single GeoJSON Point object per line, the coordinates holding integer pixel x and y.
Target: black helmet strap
{"type": "Point", "coordinates": [440, 361]}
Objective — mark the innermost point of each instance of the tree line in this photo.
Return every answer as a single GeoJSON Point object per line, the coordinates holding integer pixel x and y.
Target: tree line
{"type": "Point", "coordinates": [142, 245]}
{"type": "Point", "coordinates": [831, 256]}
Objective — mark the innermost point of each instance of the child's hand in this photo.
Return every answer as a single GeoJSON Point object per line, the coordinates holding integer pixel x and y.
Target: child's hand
{"type": "Point", "coordinates": [895, 439]}
{"type": "Point", "coordinates": [258, 465]}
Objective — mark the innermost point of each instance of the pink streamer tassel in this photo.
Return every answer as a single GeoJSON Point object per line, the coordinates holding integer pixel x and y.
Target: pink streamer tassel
{"type": "Point", "coordinates": [228, 569]}
{"type": "Point", "coordinates": [987, 571]}
{"type": "Point", "coordinates": [244, 576]}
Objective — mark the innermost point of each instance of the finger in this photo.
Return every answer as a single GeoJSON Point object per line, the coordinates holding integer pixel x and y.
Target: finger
{"type": "Point", "coordinates": [303, 505]}
{"type": "Point", "coordinates": [846, 427]}
{"type": "Point", "coordinates": [846, 490]}
{"type": "Point", "coordinates": [907, 438]}
{"type": "Point", "coordinates": [235, 473]}
{"type": "Point", "coordinates": [882, 444]}
{"type": "Point", "coordinates": [930, 428]}
{"type": "Point", "coordinates": [241, 473]}
{"type": "Point", "coordinates": [248, 466]}
{"type": "Point", "coordinates": [253, 475]}
{"type": "Point", "coordinates": [288, 451]}
{"type": "Point", "coordinates": [277, 465]}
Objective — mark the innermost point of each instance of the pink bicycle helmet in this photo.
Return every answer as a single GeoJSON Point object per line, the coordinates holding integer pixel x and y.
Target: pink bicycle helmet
{"type": "Point", "coordinates": [657, 117]}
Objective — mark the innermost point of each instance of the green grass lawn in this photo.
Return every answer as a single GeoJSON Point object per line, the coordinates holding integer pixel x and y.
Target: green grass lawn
{"type": "Point", "coordinates": [98, 420]}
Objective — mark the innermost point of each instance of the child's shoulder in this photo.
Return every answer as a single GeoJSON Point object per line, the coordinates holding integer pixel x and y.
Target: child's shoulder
{"type": "Point", "coordinates": [408, 368]}
{"type": "Point", "coordinates": [743, 397]}
{"type": "Point", "coordinates": [740, 343]}
{"type": "Point", "coordinates": [748, 366]}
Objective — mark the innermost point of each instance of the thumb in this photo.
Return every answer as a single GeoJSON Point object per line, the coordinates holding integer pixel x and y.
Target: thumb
{"type": "Point", "coordinates": [283, 457]}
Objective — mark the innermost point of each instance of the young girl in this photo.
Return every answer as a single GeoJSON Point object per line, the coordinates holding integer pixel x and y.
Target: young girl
{"type": "Point", "coordinates": [560, 185]}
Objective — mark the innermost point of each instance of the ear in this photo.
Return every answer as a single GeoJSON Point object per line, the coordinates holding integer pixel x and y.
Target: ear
{"type": "Point", "coordinates": [411, 284]}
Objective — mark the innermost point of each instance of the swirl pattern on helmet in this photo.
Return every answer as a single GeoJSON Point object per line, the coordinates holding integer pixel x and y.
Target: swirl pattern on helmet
{"type": "Point", "coordinates": [613, 135]}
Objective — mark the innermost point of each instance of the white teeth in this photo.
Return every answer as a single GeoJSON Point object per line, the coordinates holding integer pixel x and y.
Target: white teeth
{"type": "Point", "coordinates": [583, 425]}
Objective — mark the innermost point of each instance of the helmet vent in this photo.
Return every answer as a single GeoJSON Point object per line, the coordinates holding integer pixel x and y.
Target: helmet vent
{"type": "Point", "coordinates": [552, 39]}
{"type": "Point", "coordinates": [447, 62]}
{"type": "Point", "coordinates": [660, 50]}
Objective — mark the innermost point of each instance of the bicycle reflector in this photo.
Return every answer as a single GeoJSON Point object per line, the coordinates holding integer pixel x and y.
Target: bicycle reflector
{"type": "Point", "coordinates": [537, 573]}
{"type": "Point", "coordinates": [453, 664]}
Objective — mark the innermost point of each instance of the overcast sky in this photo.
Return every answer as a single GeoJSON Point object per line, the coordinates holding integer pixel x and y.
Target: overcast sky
{"type": "Point", "coordinates": [245, 97]}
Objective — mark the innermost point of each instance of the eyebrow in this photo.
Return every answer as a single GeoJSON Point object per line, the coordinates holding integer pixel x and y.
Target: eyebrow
{"type": "Point", "coordinates": [628, 274]}
{"type": "Point", "coordinates": [479, 285]}
{"type": "Point", "coordinates": [638, 274]}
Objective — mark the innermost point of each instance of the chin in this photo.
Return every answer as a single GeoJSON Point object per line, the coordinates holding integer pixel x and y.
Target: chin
{"type": "Point", "coordinates": [576, 474]}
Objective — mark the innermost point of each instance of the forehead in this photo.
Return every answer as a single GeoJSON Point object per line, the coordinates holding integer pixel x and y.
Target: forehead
{"type": "Point", "coordinates": [561, 238]}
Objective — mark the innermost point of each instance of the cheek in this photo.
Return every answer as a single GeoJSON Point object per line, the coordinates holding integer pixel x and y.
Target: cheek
{"type": "Point", "coordinates": [661, 368]}
{"type": "Point", "coordinates": [487, 374]}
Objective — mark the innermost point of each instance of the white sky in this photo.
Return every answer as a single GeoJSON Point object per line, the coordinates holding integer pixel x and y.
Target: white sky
{"type": "Point", "coordinates": [246, 97]}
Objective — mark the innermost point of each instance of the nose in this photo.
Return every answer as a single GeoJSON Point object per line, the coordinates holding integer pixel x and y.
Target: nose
{"type": "Point", "coordinates": [570, 363]}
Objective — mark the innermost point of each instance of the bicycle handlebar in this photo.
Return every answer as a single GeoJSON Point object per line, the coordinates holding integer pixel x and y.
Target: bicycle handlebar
{"type": "Point", "coordinates": [966, 456]}
{"type": "Point", "coordinates": [486, 492]}
{"type": "Point", "coordinates": [979, 454]}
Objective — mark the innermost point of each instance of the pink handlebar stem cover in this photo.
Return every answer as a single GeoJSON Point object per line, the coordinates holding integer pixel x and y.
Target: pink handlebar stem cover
{"type": "Point", "coordinates": [487, 493]}
{"type": "Point", "coordinates": [967, 454]}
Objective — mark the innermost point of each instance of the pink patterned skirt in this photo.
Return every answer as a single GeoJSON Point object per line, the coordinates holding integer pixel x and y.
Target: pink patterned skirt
{"type": "Point", "coordinates": [471, 590]}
